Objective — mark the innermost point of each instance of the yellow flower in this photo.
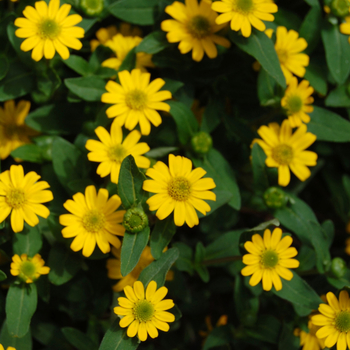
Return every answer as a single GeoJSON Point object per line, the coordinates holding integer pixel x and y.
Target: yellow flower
{"type": "Point", "coordinates": [28, 269]}
{"type": "Point", "coordinates": [144, 312]}
{"type": "Point", "coordinates": [285, 150]}
{"type": "Point", "coordinates": [347, 248]}
{"type": "Point", "coordinates": [48, 29]}
{"type": "Point", "coordinates": [309, 341]}
{"type": "Point", "coordinates": [22, 194]}
{"type": "Point", "coordinates": [121, 46]}
{"type": "Point", "coordinates": [13, 131]}
{"type": "Point", "coordinates": [288, 47]}
{"type": "Point", "coordinates": [9, 347]}
{"type": "Point", "coordinates": [135, 100]}
{"type": "Point", "coordinates": [345, 27]}
{"type": "Point", "coordinates": [111, 151]}
{"type": "Point", "coordinates": [335, 321]}
{"type": "Point", "coordinates": [93, 220]}
{"type": "Point", "coordinates": [296, 101]}
{"type": "Point", "coordinates": [194, 27]}
{"type": "Point", "coordinates": [244, 14]}
{"type": "Point", "coordinates": [269, 259]}
{"type": "Point", "coordinates": [105, 34]}
{"type": "Point", "coordinates": [179, 189]}
{"type": "Point", "coordinates": [113, 266]}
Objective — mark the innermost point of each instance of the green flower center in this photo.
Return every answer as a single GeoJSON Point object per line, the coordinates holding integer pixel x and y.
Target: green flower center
{"type": "Point", "coordinates": [342, 321]}
{"type": "Point", "coordinates": [135, 220]}
{"type": "Point", "coordinates": [15, 198]}
{"type": "Point", "coordinates": [282, 55]}
{"type": "Point", "coordinates": [93, 221]}
{"type": "Point", "coordinates": [49, 29]}
{"type": "Point", "coordinates": [282, 154]}
{"type": "Point", "coordinates": [136, 99]}
{"type": "Point", "coordinates": [117, 153]}
{"type": "Point", "coordinates": [244, 6]}
{"type": "Point", "coordinates": [199, 27]}
{"type": "Point", "coordinates": [201, 142]}
{"type": "Point", "coordinates": [179, 188]}
{"type": "Point", "coordinates": [294, 104]}
{"type": "Point", "coordinates": [269, 259]}
{"type": "Point", "coordinates": [28, 269]}
{"type": "Point", "coordinates": [340, 7]}
{"type": "Point", "coordinates": [143, 310]}
{"type": "Point", "coordinates": [92, 7]}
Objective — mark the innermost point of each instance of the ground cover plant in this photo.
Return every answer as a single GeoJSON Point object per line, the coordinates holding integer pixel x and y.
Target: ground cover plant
{"type": "Point", "coordinates": [174, 174]}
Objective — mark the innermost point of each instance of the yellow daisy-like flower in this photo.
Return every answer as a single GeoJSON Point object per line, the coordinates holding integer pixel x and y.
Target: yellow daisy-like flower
{"type": "Point", "coordinates": [296, 101]}
{"type": "Point", "coordinates": [180, 189]}
{"type": "Point", "coordinates": [288, 47]}
{"type": "Point", "coordinates": [48, 29]}
{"type": "Point", "coordinates": [9, 347]}
{"type": "Point", "coordinates": [93, 219]}
{"type": "Point", "coordinates": [112, 150]}
{"type": "Point", "coordinates": [13, 131]}
{"type": "Point", "coordinates": [345, 27]}
{"type": "Point", "coordinates": [244, 14]}
{"type": "Point", "coordinates": [269, 259]}
{"type": "Point", "coordinates": [285, 150]}
{"type": "Point", "coordinates": [194, 27]}
{"type": "Point", "coordinates": [135, 100]}
{"type": "Point", "coordinates": [144, 312]}
{"type": "Point", "coordinates": [28, 269]}
{"type": "Point", "coordinates": [121, 46]}
{"type": "Point", "coordinates": [309, 341]}
{"type": "Point", "coordinates": [21, 196]}
{"type": "Point", "coordinates": [334, 321]}
{"type": "Point", "coordinates": [113, 266]}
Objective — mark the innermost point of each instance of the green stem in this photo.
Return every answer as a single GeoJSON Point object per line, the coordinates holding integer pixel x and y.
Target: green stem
{"type": "Point", "coordinates": [221, 260]}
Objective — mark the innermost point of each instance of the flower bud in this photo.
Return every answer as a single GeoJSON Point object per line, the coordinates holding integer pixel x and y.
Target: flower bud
{"type": "Point", "coordinates": [340, 8]}
{"type": "Point", "coordinates": [135, 220]}
{"type": "Point", "coordinates": [338, 267]}
{"type": "Point", "coordinates": [201, 142]}
{"type": "Point", "coordinates": [92, 7]}
{"type": "Point", "coordinates": [275, 197]}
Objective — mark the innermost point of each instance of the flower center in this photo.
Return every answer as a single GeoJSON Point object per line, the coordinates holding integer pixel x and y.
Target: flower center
{"type": "Point", "coordinates": [136, 99]}
{"type": "Point", "coordinates": [49, 29]}
{"type": "Point", "coordinates": [342, 321]}
{"type": "Point", "coordinates": [244, 6]}
{"type": "Point", "coordinates": [117, 153]}
{"type": "Point", "coordinates": [179, 188]}
{"type": "Point", "coordinates": [294, 104]}
{"type": "Point", "coordinates": [15, 198]}
{"type": "Point", "coordinates": [28, 269]}
{"type": "Point", "coordinates": [282, 55]}
{"type": "Point", "coordinates": [143, 310]}
{"type": "Point", "coordinates": [269, 258]}
{"type": "Point", "coordinates": [282, 154]}
{"type": "Point", "coordinates": [199, 26]}
{"type": "Point", "coordinates": [93, 221]}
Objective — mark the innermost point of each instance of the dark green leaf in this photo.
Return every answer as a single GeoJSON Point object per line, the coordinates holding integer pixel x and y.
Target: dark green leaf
{"type": "Point", "coordinates": [160, 152]}
{"type": "Point", "coordinates": [132, 248]}
{"type": "Point", "coordinates": [266, 88]}
{"type": "Point", "coordinates": [4, 66]}
{"type": "Point", "coordinates": [184, 261]}
{"type": "Point", "coordinates": [222, 197]}
{"type": "Point", "coordinates": [158, 269]}
{"type": "Point", "coordinates": [267, 329]}
{"type": "Point", "coordinates": [2, 276]}
{"type": "Point", "coordinates": [29, 153]}
{"type": "Point", "coordinates": [316, 75]}
{"type": "Point", "coordinates": [339, 97]}
{"type": "Point", "coordinates": [310, 28]}
{"type": "Point", "coordinates": [78, 339]}
{"type": "Point", "coordinates": [87, 88]}
{"type": "Point", "coordinates": [172, 85]}
{"type": "Point", "coordinates": [78, 64]}
{"type": "Point", "coordinates": [288, 341]}
{"type": "Point", "coordinates": [161, 236]}
{"type": "Point", "coordinates": [6, 340]}
{"type": "Point", "coordinates": [213, 114]}
{"type": "Point", "coordinates": [153, 43]}
{"type": "Point", "coordinates": [218, 336]}
{"type": "Point", "coordinates": [261, 180]}
{"type": "Point", "coordinates": [21, 304]}
{"type": "Point", "coordinates": [29, 241]}
{"type": "Point", "coordinates": [129, 61]}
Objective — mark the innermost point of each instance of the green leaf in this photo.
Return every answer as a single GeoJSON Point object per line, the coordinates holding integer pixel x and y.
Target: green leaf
{"type": "Point", "coordinates": [29, 241]}
{"type": "Point", "coordinates": [47, 81]}
{"type": "Point", "coordinates": [172, 85]}
{"type": "Point", "coordinates": [4, 66]}
{"type": "Point", "coordinates": [134, 11]}
{"type": "Point", "coordinates": [88, 88]}
{"type": "Point", "coordinates": [78, 339]}
{"type": "Point", "coordinates": [6, 340]}
{"type": "Point", "coordinates": [221, 172]}
{"type": "Point", "coordinates": [129, 61]}
{"type": "Point", "coordinates": [185, 121]}
{"type": "Point", "coordinates": [64, 264]}
{"type": "Point", "coordinates": [78, 64]}
{"type": "Point", "coordinates": [213, 113]}
{"type": "Point", "coordinates": [153, 43]}
{"type": "Point", "coordinates": [130, 183]}
{"type": "Point", "coordinates": [21, 304]}
{"type": "Point", "coordinates": [300, 294]}
{"type": "Point", "coordinates": [160, 152]}
{"type": "Point", "coordinates": [337, 52]}
{"type": "Point", "coordinates": [29, 153]}
{"type": "Point", "coordinates": [158, 269]}
{"type": "Point", "coordinates": [267, 329]}
{"type": "Point", "coordinates": [261, 180]}
{"type": "Point", "coordinates": [218, 336]}
{"type": "Point", "coordinates": [261, 47]}
{"type": "Point", "coordinates": [2, 276]}
{"type": "Point", "coordinates": [161, 236]}
{"type": "Point", "coordinates": [310, 28]}
{"type": "Point", "coordinates": [198, 259]}
{"type": "Point", "coordinates": [116, 339]}
{"type": "Point", "coordinates": [316, 76]}
{"type": "Point", "coordinates": [184, 261]}
{"type": "Point", "coordinates": [339, 97]}
{"type": "Point", "coordinates": [288, 341]}
{"type": "Point", "coordinates": [266, 88]}
{"type": "Point", "coordinates": [328, 126]}
{"type": "Point", "coordinates": [132, 248]}
{"type": "Point", "coordinates": [222, 197]}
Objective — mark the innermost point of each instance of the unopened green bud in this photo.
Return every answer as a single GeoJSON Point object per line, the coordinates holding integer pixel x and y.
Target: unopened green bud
{"type": "Point", "coordinates": [92, 7]}
{"type": "Point", "coordinates": [275, 197]}
{"type": "Point", "coordinates": [135, 220]}
{"type": "Point", "coordinates": [340, 8]}
{"type": "Point", "coordinates": [338, 267]}
{"type": "Point", "coordinates": [201, 142]}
